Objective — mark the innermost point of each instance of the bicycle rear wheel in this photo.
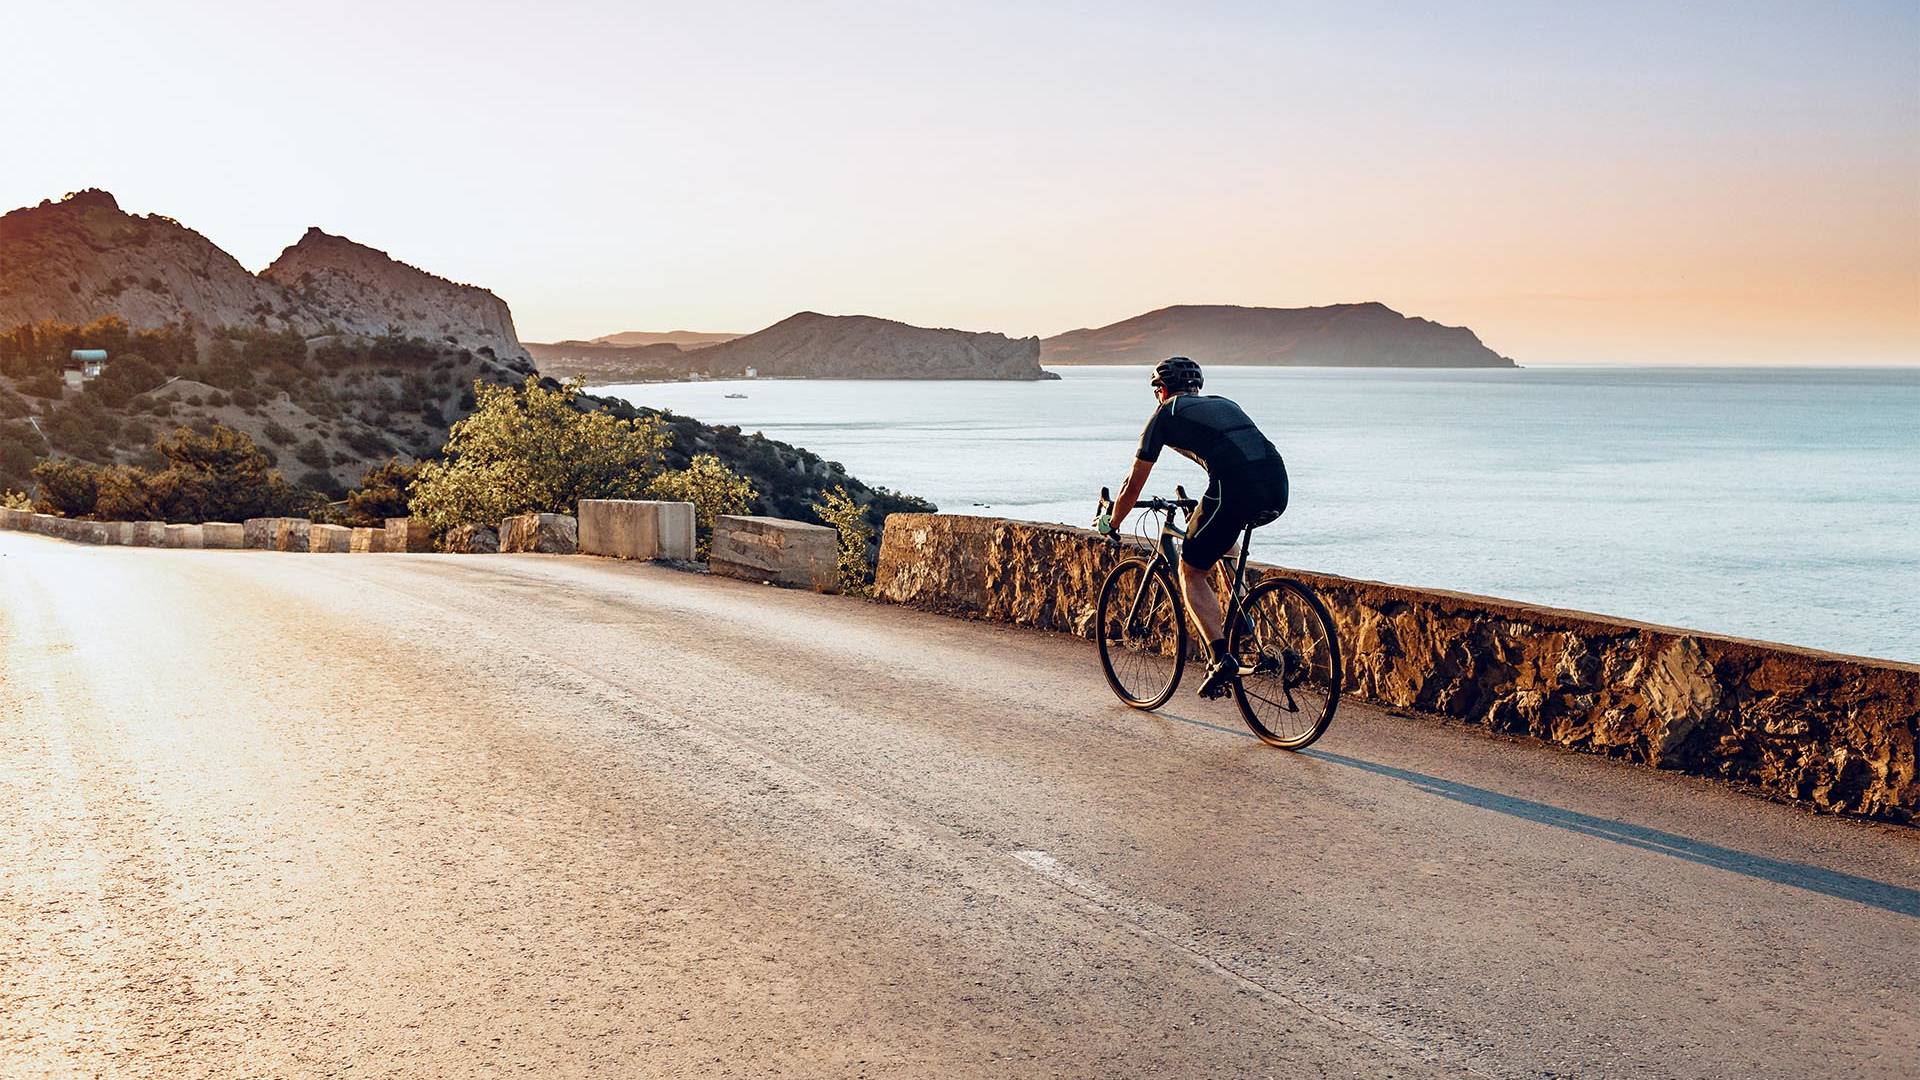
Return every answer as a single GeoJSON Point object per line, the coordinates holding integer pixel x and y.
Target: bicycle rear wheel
{"type": "Point", "coordinates": [1288, 638]}
{"type": "Point", "coordinates": [1142, 635]}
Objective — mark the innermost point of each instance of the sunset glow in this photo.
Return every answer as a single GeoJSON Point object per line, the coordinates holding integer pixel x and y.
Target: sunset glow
{"type": "Point", "coordinates": [1731, 183]}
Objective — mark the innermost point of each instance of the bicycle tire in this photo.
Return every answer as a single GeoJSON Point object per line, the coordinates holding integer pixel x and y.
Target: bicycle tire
{"type": "Point", "coordinates": [1147, 675]}
{"type": "Point", "coordinates": [1291, 703]}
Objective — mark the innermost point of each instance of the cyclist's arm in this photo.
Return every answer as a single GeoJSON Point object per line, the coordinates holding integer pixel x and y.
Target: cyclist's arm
{"type": "Point", "coordinates": [1130, 491]}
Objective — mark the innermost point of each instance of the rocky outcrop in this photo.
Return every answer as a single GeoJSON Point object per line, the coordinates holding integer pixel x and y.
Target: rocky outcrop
{"type": "Point", "coordinates": [81, 258]}
{"type": "Point", "coordinates": [1340, 335]}
{"type": "Point", "coordinates": [814, 346]}
{"type": "Point", "coordinates": [1836, 732]}
{"type": "Point", "coordinates": [358, 290]}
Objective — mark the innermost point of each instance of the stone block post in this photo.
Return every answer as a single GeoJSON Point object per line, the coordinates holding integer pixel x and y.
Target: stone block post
{"type": "Point", "coordinates": [329, 538]}
{"type": "Point", "coordinates": [791, 553]}
{"type": "Point", "coordinates": [223, 534]}
{"type": "Point", "coordinates": [552, 534]}
{"type": "Point", "coordinates": [636, 529]}
{"type": "Point", "coordinates": [407, 534]}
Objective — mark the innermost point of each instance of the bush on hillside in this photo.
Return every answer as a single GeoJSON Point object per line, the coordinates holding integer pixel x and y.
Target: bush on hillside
{"type": "Point", "coordinates": [712, 488]}
{"type": "Point", "coordinates": [386, 491]}
{"type": "Point", "coordinates": [66, 487]}
{"type": "Point", "coordinates": [531, 448]}
{"type": "Point", "coordinates": [216, 475]}
{"type": "Point", "coordinates": [838, 509]}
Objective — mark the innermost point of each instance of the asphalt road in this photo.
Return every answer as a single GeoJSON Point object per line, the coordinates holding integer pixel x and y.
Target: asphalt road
{"type": "Point", "coordinates": [292, 815]}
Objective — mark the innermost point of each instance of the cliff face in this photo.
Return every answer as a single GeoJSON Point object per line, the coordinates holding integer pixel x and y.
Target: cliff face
{"type": "Point", "coordinates": [363, 291]}
{"type": "Point", "coordinates": [81, 258]}
{"type": "Point", "coordinates": [76, 260]}
{"type": "Point", "coordinates": [1342, 335]}
{"type": "Point", "coordinates": [810, 345]}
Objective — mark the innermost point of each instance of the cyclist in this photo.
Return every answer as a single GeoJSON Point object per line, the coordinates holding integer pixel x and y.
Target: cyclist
{"type": "Point", "coordinates": [1247, 485]}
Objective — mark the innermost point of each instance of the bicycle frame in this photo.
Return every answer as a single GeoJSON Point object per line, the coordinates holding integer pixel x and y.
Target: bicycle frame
{"type": "Point", "coordinates": [1167, 554]}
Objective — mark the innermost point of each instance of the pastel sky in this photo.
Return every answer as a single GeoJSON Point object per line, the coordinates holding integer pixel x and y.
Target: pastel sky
{"type": "Point", "coordinates": [1603, 183]}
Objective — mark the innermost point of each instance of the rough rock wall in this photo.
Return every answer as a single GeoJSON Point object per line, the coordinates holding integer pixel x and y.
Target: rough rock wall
{"type": "Point", "coordinates": [366, 292]}
{"type": "Point", "coordinates": [1833, 731]}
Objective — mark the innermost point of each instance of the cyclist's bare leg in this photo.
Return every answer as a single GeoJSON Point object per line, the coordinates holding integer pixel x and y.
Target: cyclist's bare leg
{"type": "Point", "coordinates": [1202, 602]}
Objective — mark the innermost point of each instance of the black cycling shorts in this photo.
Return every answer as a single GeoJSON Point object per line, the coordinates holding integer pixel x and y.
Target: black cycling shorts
{"type": "Point", "coordinates": [1225, 515]}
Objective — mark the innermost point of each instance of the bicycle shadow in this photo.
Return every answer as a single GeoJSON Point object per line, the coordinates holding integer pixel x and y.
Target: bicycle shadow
{"type": "Point", "coordinates": [1897, 899]}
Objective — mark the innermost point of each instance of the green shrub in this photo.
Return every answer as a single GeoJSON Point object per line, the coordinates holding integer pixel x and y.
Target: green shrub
{"type": "Point", "coordinates": [839, 510]}
{"type": "Point", "coordinates": [528, 448]}
{"type": "Point", "coordinates": [313, 454]}
{"type": "Point", "coordinates": [66, 487]}
{"type": "Point", "coordinates": [385, 491]}
{"type": "Point", "coordinates": [712, 488]}
{"type": "Point", "coordinates": [46, 384]}
{"type": "Point", "coordinates": [277, 433]}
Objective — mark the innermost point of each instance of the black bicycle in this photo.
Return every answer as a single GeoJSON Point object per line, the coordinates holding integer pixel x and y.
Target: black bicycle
{"type": "Point", "coordinates": [1278, 632]}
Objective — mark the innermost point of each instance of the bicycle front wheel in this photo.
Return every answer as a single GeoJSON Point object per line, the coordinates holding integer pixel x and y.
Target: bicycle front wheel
{"type": "Point", "coordinates": [1142, 636]}
{"type": "Point", "coordinates": [1288, 640]}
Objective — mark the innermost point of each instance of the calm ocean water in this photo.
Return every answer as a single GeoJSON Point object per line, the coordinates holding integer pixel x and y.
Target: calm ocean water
{"type": "Point", "coordinates": [1767, 503]}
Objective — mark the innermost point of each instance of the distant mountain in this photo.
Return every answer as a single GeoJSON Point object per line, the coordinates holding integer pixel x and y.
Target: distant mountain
{"type": "Point", "coordinates": [806, 346]}
{"type": "Point", "coordinates": [82, 257]}
{"type": "Point", "coordinates": [602, 364]}
{"type": "Point", "coordinates": [686, 339]}
{"type": "Point", "coordinates": [1340, 335]}
{"type": "Point", "coordinates": [814, 346]}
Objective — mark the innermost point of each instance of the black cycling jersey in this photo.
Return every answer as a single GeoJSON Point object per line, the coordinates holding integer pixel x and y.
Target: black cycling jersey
{"type": "Point", "coordinates": [1216, 433]}
{"type": "Point", "coordinates": [1248, 480]}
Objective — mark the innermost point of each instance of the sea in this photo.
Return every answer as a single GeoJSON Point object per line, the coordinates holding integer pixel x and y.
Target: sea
{"type": "Point", "coordinates": [1773, 503]}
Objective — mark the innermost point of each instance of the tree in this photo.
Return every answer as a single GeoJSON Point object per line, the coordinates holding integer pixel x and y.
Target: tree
{"type": "Point", "coordinates": [384, 493]}
{"type": "Point", "coordinates": [712, 488]}
{"type": "Point", "coordinates": [530, 448]}
{"type": "Point", "coordinates": [66, 487]}
{"type": "Point", "coordinates": [218, 475]}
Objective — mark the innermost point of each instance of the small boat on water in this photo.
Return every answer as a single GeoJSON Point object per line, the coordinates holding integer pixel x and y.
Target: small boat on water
{"type": "Point", "coordinates": [736, 395]}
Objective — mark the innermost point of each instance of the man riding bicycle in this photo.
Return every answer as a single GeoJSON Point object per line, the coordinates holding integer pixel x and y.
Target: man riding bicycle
{"type": "Point", "coordinates": [1247, 486]}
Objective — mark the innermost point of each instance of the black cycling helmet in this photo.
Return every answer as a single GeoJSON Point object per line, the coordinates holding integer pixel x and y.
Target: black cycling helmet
{"type": "Point", "coordinates": [1177, 373]}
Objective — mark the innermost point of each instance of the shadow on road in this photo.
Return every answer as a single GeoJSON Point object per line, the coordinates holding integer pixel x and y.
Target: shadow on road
{"type": "Point", "coordinates": [1895, 898]}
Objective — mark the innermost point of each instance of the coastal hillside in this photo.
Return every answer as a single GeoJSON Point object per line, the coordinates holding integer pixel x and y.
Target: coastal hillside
{"type": "Point", "coordinates": [599, 364]}
{"type": "Point", "coordinates": [1340, 335]}
{"type": "Point", "coordinates": [334, 360]}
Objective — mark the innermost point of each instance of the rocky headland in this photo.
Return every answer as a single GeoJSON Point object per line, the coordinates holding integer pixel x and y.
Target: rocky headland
{"type": "Point", "coordinates": [1340, 335]}
{"type": "Point", "coordinates": [810, 345]}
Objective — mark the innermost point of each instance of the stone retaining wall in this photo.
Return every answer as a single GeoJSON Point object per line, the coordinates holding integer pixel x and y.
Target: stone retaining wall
{"type": "Point", "coordinates": [1837, 732]}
